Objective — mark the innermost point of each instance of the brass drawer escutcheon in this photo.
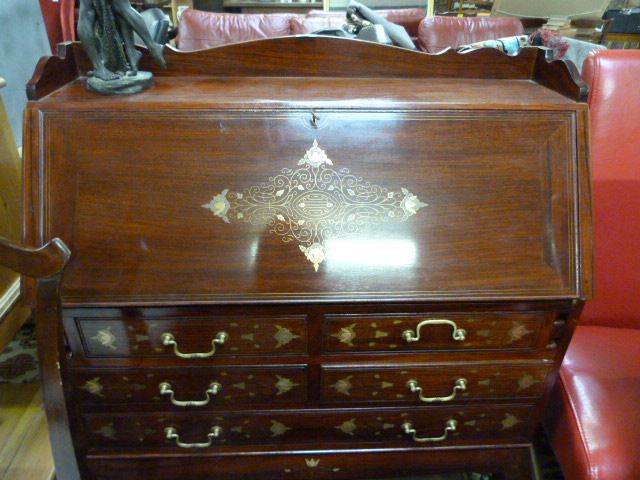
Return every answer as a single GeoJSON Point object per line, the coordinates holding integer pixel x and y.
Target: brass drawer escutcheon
{"type": "Point", "coordinates": [166, 389]}
{"type": "Point", "coordinates": [169, 340]}
{"type": "Point", "coordinates": [459, 334]}
{"type": "Point", "coordinates": [409, 430]}
{"type": "Point", "coordinates": [172, 435]}
{"type": "Point", "coordinates": [460, 384]}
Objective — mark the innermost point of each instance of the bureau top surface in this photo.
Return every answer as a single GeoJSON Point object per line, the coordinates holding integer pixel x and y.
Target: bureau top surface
{"type": "Point", "coordinates": [189, 93]}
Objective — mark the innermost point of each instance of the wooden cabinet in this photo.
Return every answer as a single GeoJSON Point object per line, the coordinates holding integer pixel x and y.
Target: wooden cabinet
{"type": "Point", "coordinates": [310, 258]}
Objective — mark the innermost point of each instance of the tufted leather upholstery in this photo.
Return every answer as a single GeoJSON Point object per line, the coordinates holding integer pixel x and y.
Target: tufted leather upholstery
{"type": "Point", "coordinates": [438, 33]}
{"type": "Point", "coordinates": [593, 419]}
{"type": "Point", "coordinates": [199, 30]}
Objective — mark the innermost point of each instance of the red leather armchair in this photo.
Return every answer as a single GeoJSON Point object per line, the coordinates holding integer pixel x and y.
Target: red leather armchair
{"type": "Point", "coordinates": [593, 420]}
{"type": "Point", "coordinates": [438, 33]}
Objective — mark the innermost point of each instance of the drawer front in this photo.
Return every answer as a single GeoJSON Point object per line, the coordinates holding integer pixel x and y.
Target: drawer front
{"type": "Point", "coordinates": [431, 385]}
{"type": "Point", "coordinates": [322, 427]}
{"type": "Point", "coordinates": [189, 388]}
{"type": "Point", "coordinates": [194, 337]}
{"type": "Point", "coordinates": [345, 464]}
{"type": "Point", "coordinates": [433, 331]}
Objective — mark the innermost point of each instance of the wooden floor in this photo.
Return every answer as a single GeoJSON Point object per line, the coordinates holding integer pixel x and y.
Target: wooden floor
{"type": "Point", "coordinates": [25, 452]}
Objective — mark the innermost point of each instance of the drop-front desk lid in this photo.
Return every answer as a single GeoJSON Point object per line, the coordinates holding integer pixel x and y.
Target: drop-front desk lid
{"type": "Point", "coordinates": [314, 169]}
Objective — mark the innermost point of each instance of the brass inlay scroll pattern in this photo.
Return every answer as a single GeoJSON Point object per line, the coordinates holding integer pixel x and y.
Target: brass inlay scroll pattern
{"type": "Point", "coordinates": [315, 203]}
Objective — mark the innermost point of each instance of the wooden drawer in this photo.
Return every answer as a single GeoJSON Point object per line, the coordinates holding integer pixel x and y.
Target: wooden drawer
{"type": "Point", "coordinates": [433, 331]}
{"type": "Point", "coordinates": [194, 337]}
{"type": "Point", "coordinates": [432, 385]}
{"type": "Point", "coordinates": [345, 464]}
{"type": "Point", "coordinates": [189, 388]}
{"type": "Point", "coordinates": [319, 427]}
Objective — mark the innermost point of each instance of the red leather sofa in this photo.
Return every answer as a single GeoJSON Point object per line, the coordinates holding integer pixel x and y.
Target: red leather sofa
{"type": "Point", "coordinates": [435, 34]}
{"type": "Point", "coordinates": [593, 420]}
{"type": "Point", "coordinates": [199, 29]}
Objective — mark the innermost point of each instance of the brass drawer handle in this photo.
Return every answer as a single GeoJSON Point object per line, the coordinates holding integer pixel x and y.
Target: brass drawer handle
{"type": "Point", "coordinates": [461, 384]}
{"type": "Point", "coordinates": [173, 435]}
{"type": "Point", "coordinates": [168, 340]}
{"type": "Point", "coordinates": [459, 334]}
{"type": "Point", "coordinates": [165, 389]}
{"type": "Point", "coordinates": [409, 430]}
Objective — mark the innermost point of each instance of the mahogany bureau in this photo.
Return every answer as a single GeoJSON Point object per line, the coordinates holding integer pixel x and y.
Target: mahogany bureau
{"type": "Point", "coordinates": [308, 258]}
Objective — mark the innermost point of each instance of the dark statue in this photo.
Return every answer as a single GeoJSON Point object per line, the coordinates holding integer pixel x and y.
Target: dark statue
{"type": "Point", "coordinates": [106, 28]}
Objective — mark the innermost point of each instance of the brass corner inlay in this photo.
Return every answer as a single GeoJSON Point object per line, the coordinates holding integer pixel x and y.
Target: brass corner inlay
{"type": "Point", "coordinates": [315, 203]}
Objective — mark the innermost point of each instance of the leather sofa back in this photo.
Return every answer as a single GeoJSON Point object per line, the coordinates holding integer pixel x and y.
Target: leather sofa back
{"type": "Point", "coordinates": [614, 100]}
{"type": "Point", "coordinates": [199, 29]}
{"type": "Point", "coordinates": [438, 33]}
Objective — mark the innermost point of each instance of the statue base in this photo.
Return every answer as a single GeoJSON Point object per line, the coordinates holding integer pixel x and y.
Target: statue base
{"type": "Point", "coordinates": [125, 85]}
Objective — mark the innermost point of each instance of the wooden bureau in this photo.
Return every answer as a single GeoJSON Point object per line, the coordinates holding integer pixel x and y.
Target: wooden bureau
{"type": "Point", "coordinates": [308, 258]}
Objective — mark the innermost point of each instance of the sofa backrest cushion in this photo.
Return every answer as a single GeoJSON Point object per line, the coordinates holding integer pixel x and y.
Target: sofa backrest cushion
{"type": "Point", "coordinates": [409, 18]}
{"type": "Point", "coordinates": [614, 101]}
{"type": "Point", "coordinates": [438, 33]}
{"type": "Point", "coordinates": [303, 25]}
{"type": "Point", "coordinates": [199, 29]}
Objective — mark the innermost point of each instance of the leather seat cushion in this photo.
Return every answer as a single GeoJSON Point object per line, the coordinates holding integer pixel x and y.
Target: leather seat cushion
{"type": "Point", "coordinates": [593, 419]}
{"type": "Point", "coordinates": [438, 33]}
{"type": "Point", "coordinates": [199, 29]}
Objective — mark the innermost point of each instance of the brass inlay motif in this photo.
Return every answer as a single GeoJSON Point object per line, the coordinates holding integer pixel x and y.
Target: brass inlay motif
{"type": "Point", "coordinates": [283, 336]}
{"type": "Point", "coordinates": [509, 421]}
{"type": "Point", "coordinates": [348, 427]}
{"type": "Point", "coordinates": [526, 381]}
{"type": "Point", "coordinates": [284, 385]}
{"type": "Point", "coordinates": [450, 426]}
{"type": "Point", "coordinates": [344, 385]}
{"type": "Point", "coordinates": [311, 463]}
{"type": "Point", "coordinates": [94, 387]}
{"type": "Point", "coordinates": [346, 334]}
{"type": "Point", "coordinates": [315, 203]}
{"type": "Point", "coordinates": [107, 431]}
{"type": "Point", "coordinates": [105, 338]}
{"type": "Point", "coordinates": [517, 332]}
{"type": "Point", "coordinates": [278, 428]}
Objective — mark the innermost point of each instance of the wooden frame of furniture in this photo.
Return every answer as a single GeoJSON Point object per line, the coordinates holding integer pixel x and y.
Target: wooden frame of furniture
{"type": "Point", "coordinates": [283, 267]}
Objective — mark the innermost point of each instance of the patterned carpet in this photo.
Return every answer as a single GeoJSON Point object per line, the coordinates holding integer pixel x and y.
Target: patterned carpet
{"type": "Point", "coordinates": [19, 361]}
{"type": "Point", "coordinates": [19, 364]}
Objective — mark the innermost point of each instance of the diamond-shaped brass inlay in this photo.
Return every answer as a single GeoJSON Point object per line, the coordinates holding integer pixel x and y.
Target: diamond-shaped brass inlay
{"type": "Point", "coordinates": [315, 203]}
